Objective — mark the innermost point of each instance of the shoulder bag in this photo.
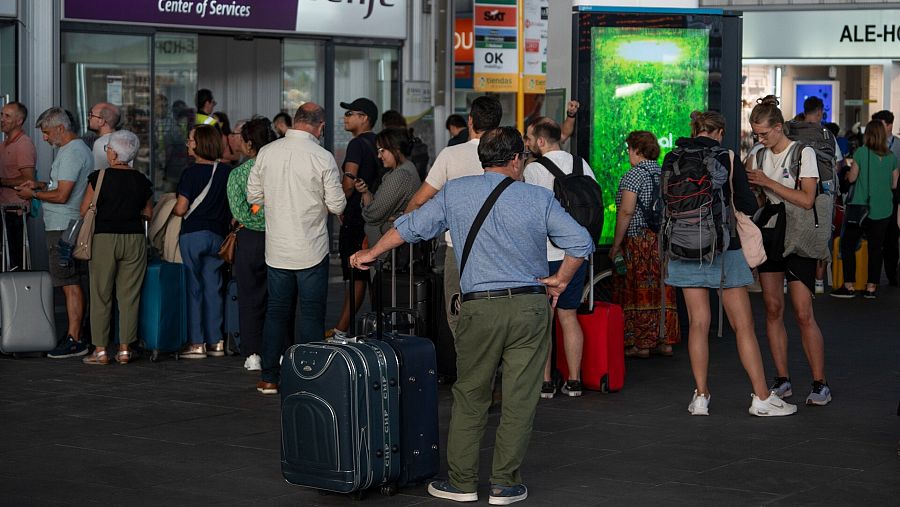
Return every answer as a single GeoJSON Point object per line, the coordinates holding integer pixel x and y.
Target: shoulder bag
{"type": "Point", "coordinates": [747, 231]}
{"type": "Point", "coordinates": [455, 299]}
{"type": "Point", "coordinates": [86, 234]}
{"type": "Point", "coordinates": [856, 214]}
{"type": "Point", "coordinates": [226, 251]}
{"type": "Point", "coordinates": [806, 234]}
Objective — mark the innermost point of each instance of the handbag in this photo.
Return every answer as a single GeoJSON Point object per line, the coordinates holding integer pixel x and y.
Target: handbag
{"type": "Point", "coordinates": [856, 214]}
{"type": "Point", "coordinates": [82, 249]}
{"type": "Point", "coordinates": [808, 231]}
{"type": "Point", "coordinates": [747, 231]}
{"type": "Point", "coordinates": [226, 251]}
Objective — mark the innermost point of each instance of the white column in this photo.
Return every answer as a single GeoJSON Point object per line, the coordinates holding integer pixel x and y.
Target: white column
{"type": "Point", "coordinates": [39, 68]}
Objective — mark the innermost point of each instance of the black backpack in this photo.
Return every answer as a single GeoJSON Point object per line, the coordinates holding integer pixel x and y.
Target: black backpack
{"type": "Point", "coordinates": [696, 223]}
{"type": "Point", "coordinates": [579, 195]}
{"type": "Point", "coordinates": [652, 211]}
{"type": "Point", "coordinates": [821, 140]}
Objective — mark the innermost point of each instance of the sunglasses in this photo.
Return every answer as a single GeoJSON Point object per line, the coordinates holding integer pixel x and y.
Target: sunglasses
{"type": "Point", "coordinates": [348, 114]}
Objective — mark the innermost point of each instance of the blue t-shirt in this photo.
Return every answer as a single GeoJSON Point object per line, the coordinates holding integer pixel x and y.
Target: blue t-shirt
{"type": "Point", "coordinates": [73, 162]}
{"type": "Point", "coordinates": [213, 214]}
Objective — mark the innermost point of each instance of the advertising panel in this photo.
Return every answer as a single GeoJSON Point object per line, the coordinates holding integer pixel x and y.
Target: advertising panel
{"type": "Point", "coordinates": [496, 46]}
{"type": "Point", "coordinates": [641, 79]}
{"type": "Point", "coordinates": [536, 14]}
{"type": "Point", "coordinates": [463, 52]}
{"type": "Point", "coordinates": [826, 90]}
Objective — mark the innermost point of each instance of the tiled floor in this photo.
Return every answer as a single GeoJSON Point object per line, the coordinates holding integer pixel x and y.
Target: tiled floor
{"type": "Point", "coordinates": [196, 432]}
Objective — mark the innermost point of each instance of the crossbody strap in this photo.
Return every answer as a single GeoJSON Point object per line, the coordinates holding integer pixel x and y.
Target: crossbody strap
{"type": "Point", "coordinates": [479, 220]}
{"type": "Point", "coordinates": [552, 167]}
{"type": "Point", "coordinates": [97, 190]}
{"type": "Point", "coordinates": [199, 199]}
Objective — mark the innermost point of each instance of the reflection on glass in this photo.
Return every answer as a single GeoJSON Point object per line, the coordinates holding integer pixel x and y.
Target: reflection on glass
{"type": "Point", "coordinates": [361, 72]}
{"type": "Point", "coordinates": [8, 62]}
{"type": "Point", "coordinates": [304, 74]}
{"type": "Point", "coordinates": [109, 68]}
{"type": "Point", "coordinates": [176, 84]}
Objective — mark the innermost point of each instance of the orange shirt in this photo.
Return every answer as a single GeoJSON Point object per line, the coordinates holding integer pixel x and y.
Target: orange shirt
{"type": "Point", "coordinates": [16, 154]}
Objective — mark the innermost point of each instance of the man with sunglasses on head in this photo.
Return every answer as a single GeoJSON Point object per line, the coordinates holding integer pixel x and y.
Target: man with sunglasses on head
{"type": "Point", "coordinates": [506, 298]}
{"type": "Point", "coordinates": [360, 162]}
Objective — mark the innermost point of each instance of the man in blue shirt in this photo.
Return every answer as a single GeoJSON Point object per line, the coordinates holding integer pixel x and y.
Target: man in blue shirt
{"type": "Point", "coordinates": [505, 312]}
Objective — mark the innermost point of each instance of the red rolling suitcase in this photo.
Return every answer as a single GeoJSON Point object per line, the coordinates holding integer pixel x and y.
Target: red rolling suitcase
{"type": "Point", "coordinates": [603, 359]}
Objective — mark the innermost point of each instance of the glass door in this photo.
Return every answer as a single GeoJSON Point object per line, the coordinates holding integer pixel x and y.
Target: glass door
{"type": "Point", "coordinates": [175, 68]}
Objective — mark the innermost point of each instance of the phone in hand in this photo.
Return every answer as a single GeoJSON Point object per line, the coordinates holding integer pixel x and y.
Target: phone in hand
{"type": "Point", "coordinates": [351, 176]}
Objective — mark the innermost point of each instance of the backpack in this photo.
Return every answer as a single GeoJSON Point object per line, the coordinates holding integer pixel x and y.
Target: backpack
{"type": "Point", "coordinates": [696, 225]}
{"type": "Point", "coordinates": [579, 195]}
{"type": "Point", "coordinates": [820, 139]}
{"type": "Point", "coordinates": [420, 157]}
{"type": "Point", "coordinates": [652, 212]}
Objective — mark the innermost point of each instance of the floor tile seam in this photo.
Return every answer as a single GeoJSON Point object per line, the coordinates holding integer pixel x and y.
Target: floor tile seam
{"type": "Point", "coordinates": [175, 442]}
{"type": "Point", "coordinates": [806, 464]}
{"type": "Point", "coordinates": [736, 490]}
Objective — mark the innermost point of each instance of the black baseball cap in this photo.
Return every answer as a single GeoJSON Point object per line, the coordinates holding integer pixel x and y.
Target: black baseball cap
{"type": "Point", "coordinates": [365, 106]}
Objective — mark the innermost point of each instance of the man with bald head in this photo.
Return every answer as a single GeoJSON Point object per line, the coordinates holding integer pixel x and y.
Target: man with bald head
{"type": "Point", "coordinates": [299, 185]}
{"type": "Point", "coordinates": [17, 161]}
{"type": "Point", "coordinates": [102, 120]}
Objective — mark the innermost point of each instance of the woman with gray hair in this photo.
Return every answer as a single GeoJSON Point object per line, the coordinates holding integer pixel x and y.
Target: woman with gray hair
{"type": "Point", "coordinates": [119, 250]}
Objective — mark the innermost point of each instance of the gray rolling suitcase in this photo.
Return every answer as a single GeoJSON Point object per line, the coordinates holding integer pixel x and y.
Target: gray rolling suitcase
{"type": "Point", "coordinates": [26, 304]}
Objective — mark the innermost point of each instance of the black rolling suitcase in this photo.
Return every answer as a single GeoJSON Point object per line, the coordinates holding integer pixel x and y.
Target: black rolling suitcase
{"type": "Point", "coordinates": [419, 436]}
{"type": "Point", "coordinates": [340, 416]}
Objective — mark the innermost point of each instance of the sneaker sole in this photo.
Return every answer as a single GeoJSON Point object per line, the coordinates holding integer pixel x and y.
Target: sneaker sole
{"type": "Point", "coordinates": [699, 412]}
{"type": "Point", "coordinates": [77, 354]}
{"type": "Point", "coordinates": [843, 296]}
{"type": "Point", "coordinates": [457, 497]}
{"type": "Point", "coordinates": [819, 403]}
{"type": "Point", "coordinates": [267, 391]}
{"type": "Point", "coordinates": [548, 396]}
{"type": "Point", "coordinates": [786, 394]}
{"type": "Point", "coordinates": [760, 413]}
{"type": "Point", "coordinates": [506, 500]}
{"type": "Point", "coordinates": [572, 394]}
{"type": "Point", "coordinates": [220, 353]}
{"type": "Point", "coordinates": [191, 356]}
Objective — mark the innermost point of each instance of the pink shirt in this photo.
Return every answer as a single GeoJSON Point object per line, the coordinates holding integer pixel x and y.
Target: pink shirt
{"type": "Point", "coordinates": [15, 154]}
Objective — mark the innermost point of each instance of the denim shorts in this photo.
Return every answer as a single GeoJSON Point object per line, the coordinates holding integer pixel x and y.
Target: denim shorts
{"type": "Point", "coordinates": [570, 299]}
{"type": "Point", "coordinates": [687, 274]}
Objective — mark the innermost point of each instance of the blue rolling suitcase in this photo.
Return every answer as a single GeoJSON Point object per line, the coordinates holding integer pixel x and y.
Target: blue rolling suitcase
{"type": "Point", "coordinates": [163, 309]}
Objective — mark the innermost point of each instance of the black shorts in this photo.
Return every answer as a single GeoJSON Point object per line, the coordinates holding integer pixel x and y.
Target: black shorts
{"type": "Point", "coordinates": [350, 241]}
{"type": "Point", "coordinates": [794, 267]}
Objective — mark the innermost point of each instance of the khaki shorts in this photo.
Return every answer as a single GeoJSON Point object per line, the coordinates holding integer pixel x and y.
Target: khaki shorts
{"type": "Point", "coordinates": [75, 274]}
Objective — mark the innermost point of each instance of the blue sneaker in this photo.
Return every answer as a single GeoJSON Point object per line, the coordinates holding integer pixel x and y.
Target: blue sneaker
{"type": "Point", "coordinates": [820, 395]}
{"type": "Point", "coordinates": [445, 490]}
{"type": "Point", "coordinates": [68, 348]}
{"type": "Point", "coordinates": [505, 495]}
{"type": "Point", "coordinates": [782, 387]}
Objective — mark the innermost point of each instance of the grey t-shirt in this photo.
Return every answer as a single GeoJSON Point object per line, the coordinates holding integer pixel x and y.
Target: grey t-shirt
{"type": "Point", "coordinates": [73, 162]}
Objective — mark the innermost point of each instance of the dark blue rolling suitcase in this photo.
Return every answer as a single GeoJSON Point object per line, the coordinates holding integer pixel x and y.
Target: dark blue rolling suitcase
{"type": "Point", "coordinates": [340, 415]}
{"type": "Point", "coordinates": [163, 308]}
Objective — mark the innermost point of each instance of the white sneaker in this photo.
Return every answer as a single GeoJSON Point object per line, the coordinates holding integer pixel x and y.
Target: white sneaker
{"type": "Point", "coordinates": [253, 363]}
{"type": "Point", "coordinates": [820, 286]}
{"type": "Point", "coordinates": [699, 404]}
{"type": "Point", "coordinates": [773, 406]}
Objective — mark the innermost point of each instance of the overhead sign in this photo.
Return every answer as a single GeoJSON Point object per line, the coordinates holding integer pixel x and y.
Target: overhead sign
{"type": "Point", "coordinates": [535, 15]}
{"type": "Point", "coordinates": [496, 31]}
{"type": "Point", "coordinates": [368, 18]}
{"type": "Point", "coordinates": [463, 52]}
{"type": "Point", "coordinates": [858, 34]}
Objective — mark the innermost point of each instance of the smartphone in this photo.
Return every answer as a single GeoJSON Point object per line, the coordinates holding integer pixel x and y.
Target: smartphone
{"type": "Point", "coordinates": [350, 175]}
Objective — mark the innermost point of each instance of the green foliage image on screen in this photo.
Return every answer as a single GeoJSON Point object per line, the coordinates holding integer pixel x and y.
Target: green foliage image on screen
{"type": "Point", "coordinates": [641, 79]}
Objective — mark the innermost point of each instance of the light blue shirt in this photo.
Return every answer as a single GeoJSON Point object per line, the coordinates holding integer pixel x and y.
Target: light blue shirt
{"type": "Point", "coordinates": [510, 250]}
{"type": "Point", "coordinates": [73, 162]}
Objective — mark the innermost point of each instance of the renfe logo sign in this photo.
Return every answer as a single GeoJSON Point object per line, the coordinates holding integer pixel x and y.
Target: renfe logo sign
{"type": "Point", "coordinates": [367, 18]}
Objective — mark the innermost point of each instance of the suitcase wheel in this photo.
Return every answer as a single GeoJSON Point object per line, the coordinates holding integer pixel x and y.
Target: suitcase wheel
{"type": "Point", "coordinates": [604, 384]}
{"type": "Point", "coordinates": [389, 490]}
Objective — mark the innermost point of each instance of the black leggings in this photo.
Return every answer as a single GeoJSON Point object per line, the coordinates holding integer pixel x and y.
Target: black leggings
{"type": "Point", "coordinates": [875, 231]}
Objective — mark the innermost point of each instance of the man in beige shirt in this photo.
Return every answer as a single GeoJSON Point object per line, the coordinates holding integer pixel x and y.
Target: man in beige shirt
{"type": "Point", "coordinates": [299, 183]}
{"type": "Point", "coordinates": [17, 161]}
{"type": "Point", "coordinates": [455, 162]}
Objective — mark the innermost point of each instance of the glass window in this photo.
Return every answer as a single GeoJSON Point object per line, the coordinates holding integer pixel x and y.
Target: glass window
{"type": "Point", "coordinates": [109, 68]}
{"type": "Point", "coordinates": [362, 72]}
{"type": "Point", "coordinates": [304, 74]}
{"type": "Point", "coordinates": [8, 63]}
{"type": "Point", "coordinates": [176, 83]}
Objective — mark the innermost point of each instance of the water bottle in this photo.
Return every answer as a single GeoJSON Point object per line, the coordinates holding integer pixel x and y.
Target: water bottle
{"type": "Point", "coordinates": [619, 261]}
{"type": "Point", "coordinates": [66, 243]}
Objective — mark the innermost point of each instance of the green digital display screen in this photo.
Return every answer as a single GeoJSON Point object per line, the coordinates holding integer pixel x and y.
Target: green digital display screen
{"type": "Point", "coordinates": [641, 79]}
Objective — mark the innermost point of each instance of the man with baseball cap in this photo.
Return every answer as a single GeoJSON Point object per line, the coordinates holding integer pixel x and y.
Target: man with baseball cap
{"type": "Point", "coordinates": [360, 161]}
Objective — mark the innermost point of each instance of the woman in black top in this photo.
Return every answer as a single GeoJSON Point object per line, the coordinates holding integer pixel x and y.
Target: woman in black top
{"type": "Point", "coordinates": [119, 249]}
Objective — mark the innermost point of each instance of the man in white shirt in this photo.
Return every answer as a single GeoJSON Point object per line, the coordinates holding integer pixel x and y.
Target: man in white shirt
{"type": "Point", "coordinates": [102, 119]}
{"type": "Point", "coordinates": [455, 162]}
{"type": "Point", "coordinates": [543, 139]}
{"type": "Point", "coordinates": [299, 184]}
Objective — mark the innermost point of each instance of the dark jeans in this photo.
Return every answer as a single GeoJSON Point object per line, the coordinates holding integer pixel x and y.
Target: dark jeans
{"type": "Point", "coordinates": [250, 272]}
{"type": "Point", "coordinates": [875, 231]}
{"type": "Point", "coordinates": [14, 228]}
{"type": "Point", "coordinates": [311, 285]}
{"type": "Point", "coordinates": [203, 269]}
{"type": "Point", "coordinates": [891, 250]}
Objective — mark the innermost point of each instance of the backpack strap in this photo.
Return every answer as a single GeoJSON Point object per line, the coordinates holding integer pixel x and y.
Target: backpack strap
{"type": "Point", "coordinates": [552, 167]}
{"type": "Point", "coordinates": [479, 220]}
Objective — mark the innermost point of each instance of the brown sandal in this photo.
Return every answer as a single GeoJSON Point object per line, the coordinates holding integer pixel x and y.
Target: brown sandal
{"type": "Point", "coordinates": [636, 352]}
{"type": "Point", "coordinates": [663, 349]}
{"type": "Point", "coordinates": [98, 357]}
{"type": "Point", "coordinates": [123, 356]}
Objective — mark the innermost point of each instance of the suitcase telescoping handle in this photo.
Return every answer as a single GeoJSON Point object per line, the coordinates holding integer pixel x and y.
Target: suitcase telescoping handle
{"type": "Point", "coordinates": [378, 267]}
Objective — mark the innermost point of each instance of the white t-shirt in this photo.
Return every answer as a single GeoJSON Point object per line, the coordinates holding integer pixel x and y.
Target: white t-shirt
{"type": "Point", "coordinates": [777, 167]}
{"type": "Point", "coordinates": [454, 162]}
{"type": "Point", "coordinates": [537, 174]}
{"type": "Point", "coordinates": [100, 160]}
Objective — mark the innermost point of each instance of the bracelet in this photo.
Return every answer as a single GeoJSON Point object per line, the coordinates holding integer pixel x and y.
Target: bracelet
{"type": "Point", "coordinates": [571, 115]}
